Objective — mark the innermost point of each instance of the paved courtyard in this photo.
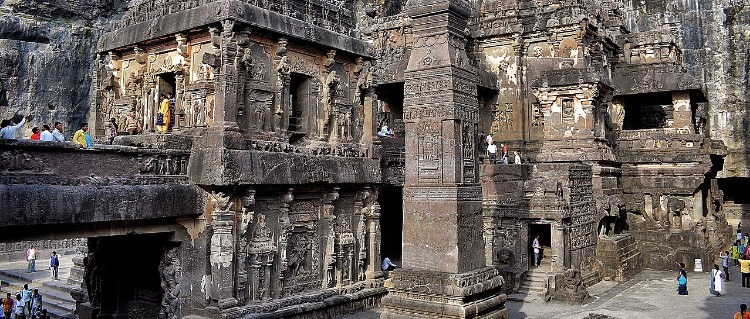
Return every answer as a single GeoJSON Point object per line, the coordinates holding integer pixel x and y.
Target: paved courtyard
{"type": "Point", "coordinates": [650, 295]}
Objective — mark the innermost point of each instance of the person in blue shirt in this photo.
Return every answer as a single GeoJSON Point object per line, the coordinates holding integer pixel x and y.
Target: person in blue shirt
{"type": "Point", "coordinates": [387, 265]}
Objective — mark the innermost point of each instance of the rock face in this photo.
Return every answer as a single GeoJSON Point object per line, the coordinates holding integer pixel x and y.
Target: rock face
{"type": "Point", "coordinates": [712, 35]}
{"type": "Point", "coordinates": [45, 58]}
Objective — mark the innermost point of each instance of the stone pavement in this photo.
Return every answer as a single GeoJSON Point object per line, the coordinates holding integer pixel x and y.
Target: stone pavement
{"type": "Point", "coordinates": [650, 295]}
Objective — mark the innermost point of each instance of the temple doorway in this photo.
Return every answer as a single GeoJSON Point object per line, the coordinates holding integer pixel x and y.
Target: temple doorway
{"type": "Point", "coordinates": [299, 94]}
{"type": "Point", "coordinates": [391, 223]}
{"type": "Point", "coordinates": [123, 274]}
{"type": "Point", "coordinates": [544, 231]}
{"type": "Point", "coordinates": [165, 83]}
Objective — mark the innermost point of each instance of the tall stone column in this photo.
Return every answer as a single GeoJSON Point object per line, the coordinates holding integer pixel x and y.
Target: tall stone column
{"type": "Point", "coordinates": [444, 274]}
{"type": "Point", "coordinates": [372, 215]}
{"type": "Point", "coordinates": [225, 101]}
{"type": "Point", "coordinates": [222, 250]}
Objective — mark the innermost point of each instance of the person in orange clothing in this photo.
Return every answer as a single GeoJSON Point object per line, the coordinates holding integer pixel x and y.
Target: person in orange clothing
{"type": "Point", "coordinates": [162, 117]}
{"type": "Point", "coordinates": [35, 133]}
{"type": "Point", "coordinates": [8, 306]}
{"type": "Point", "coordinates": [743, 313]}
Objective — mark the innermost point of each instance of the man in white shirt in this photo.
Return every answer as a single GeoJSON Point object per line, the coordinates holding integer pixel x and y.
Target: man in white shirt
{"type": "Point", "coordinates": [57, 134]}
{"type": "Point", "coordinates": [46, 134]}
{"type": "Point", "coordinates": [492, 152]}
{"type": "Point", "coordinates": [8, 130]}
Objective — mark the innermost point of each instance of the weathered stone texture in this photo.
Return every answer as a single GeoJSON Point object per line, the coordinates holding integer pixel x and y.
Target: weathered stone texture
{"type": "Point", "coordinates": [45, 58]}
{"type": "Point", "coordinates": [712, 35]}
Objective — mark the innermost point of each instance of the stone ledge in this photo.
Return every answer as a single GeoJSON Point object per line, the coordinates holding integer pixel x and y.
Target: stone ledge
{"type": "Point", "coordinates": [218, 11]}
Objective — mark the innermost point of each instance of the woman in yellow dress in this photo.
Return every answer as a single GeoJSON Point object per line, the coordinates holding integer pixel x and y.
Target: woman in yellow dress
{"type": "Point", "coordinates": [162, 117]}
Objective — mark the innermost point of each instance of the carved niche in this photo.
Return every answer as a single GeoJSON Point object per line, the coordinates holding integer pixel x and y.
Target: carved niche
{"type": "Point", "coordinates": [300, 264]}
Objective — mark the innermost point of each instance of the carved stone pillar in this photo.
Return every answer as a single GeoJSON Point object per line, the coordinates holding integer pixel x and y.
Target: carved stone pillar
{"type": "Point", "coordinates": [280, 114]}
{"type": "Point", "coordinates": [225, 102]}
{"type": "Point", "coordinates": [442, 196]}
{"type": "Point", "coordinates": [179, 111]}
{"type": "Point", "coordinates": [244, 236]}
{"type": "Point", "coordinates": [285, 227]}
{"type": "Point", "coordinates": [243, 65]}
{"type": "Point", "coordinates": [330, 259]}
{"type": "Point", "coordinates": [372, 218]}
{"type": "Point", "coordinates": [222, 250]}
{"type": "Point", "coordinates": [360, 217]}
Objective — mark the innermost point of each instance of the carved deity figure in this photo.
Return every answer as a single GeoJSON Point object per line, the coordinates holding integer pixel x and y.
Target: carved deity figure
{"type": "Point", "coordinates": [344, 119]}
{"type": "Point", "coordinates": [169, 270]}
{"type": "Point", "coordinates": [261, 231]}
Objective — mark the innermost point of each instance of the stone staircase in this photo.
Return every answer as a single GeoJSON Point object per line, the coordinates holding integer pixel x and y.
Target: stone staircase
{"type": "Point", "coordinates": [55, 293]}
{"type": "Point", "coordinates": [534, 285]}
{"type": "Point", "coordinates": [535, 282]}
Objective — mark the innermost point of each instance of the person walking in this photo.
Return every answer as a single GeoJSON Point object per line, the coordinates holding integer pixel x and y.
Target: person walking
{"type": "Point", "coordinates": [31, 258]}
{"type": "Point", "coordinates": [19, 308]}
{"type": "Point", "coordinates": [717, 281]}
{"type": "Point", "coordinates": [537, 250]}
{"type": "Point", "coordinates": [54, 263]}
{"type": "Point", "coordinates": [8, 304]}
{"type": "Point", "coordinates": [682, 280]}
{"type": "Point", "coordinates": [26, 296]}
{"type": "Point", "coordinates": [112, 130]}
{"type": "Point", "coordinates": [736, 256]}
{"type": "Point", "coordinates": [724, 256]}
{"type": "Point", "coordinates": [36, 302]}
{"type": "Point", "coordinates": [503, 153]}
{"type": "Point", "coordinates": [743, 313]}
{"type": "Point", "coordinates": [745, 270]}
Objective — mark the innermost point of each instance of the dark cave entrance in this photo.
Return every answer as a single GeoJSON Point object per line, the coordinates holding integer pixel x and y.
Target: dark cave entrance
{"type": "Point", "coordinates": [647, 111]}
{"type": "Point", "coordinates": [391, 222]}
{"type": "Point", "coordinates": [122, 275]}
{"type": "Point", "coordinates": [544, 231]}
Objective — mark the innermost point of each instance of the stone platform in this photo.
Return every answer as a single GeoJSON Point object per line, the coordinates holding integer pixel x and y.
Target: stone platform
{"type": "Point", "coordinates": [650, 294]}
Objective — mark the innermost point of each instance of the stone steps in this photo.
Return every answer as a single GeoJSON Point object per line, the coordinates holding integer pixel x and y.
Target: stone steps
{"type": "Point", "coordinates": [55, 294]}
{"type": "Point", "coordinates": [533, 285]}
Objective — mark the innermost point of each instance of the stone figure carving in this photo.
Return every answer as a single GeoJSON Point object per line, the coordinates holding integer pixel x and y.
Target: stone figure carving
{"type": "Point", "coordinates": [181, 45]}
{"type": "Point", "coordinates": [331, 84]}
{"type": "Point", "coordinates": [261, 232]}
{"type": "Point", "coordinates": [298, 255]}
{"type": "Point", "coordinates": [329, 260]}
{"type": "Point", "coordinates": [92, 276]}
{"type": "Point", "coordinates": [170, 272]}
{"type": "Point", "coordinates": [221, 202]}
{"type": "Point", "coordinates": [344, 121]}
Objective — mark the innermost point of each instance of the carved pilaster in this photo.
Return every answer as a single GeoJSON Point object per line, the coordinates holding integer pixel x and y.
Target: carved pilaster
{"type": "Point", "coordinates": [283, 103]}
{"type": "Point", "coordinates": [245, 218]}
{"type": "Point", "coordinates": [222, 250]}
{"type": "Point", "coordinates": [371, 214]}
{"type": "Point", "coordinates": [329, 257]}
{"type": "Point", "coordinates": [285, 227]}
{"type": "Point", "coordinates": [225, 76]}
